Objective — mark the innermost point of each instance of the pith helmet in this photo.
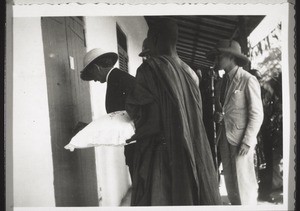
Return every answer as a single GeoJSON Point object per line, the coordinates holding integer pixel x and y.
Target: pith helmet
{"type": "Point", "coordinates": [99, 57]}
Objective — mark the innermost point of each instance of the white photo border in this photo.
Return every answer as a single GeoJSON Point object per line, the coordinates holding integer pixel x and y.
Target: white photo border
{"type": "Point", "coordinates": [284, 11]}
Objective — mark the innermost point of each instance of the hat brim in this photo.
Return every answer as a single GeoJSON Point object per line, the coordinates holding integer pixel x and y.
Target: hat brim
{"type": "Point", "coordinates": [105, 60]}
{"type": "Point", "coordinates": [242, 60]}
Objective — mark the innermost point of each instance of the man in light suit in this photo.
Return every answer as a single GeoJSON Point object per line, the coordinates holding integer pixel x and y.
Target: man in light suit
{"type": "Point", "coordinates": [99, 66]}
{"type": "Point", "coordinates": [239, 112]}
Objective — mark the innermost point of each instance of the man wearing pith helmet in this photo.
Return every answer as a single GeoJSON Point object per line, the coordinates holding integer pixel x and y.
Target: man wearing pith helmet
{"type": "Point", "coordinates": [99, 66]}
{"type": "Point", "coordinates": [239, 112]}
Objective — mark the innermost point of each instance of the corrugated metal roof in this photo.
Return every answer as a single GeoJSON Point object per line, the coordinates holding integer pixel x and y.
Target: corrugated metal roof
{"type": "Point", "coordinates": [199, 34]}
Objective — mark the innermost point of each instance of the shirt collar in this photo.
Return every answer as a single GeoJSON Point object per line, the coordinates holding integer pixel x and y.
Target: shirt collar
{"type": "Point", "coordinates": [232, 72]}
{"type": "Point", "coordinates": [108, 74]}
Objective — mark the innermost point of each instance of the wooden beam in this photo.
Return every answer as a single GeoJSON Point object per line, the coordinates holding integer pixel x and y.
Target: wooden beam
{"type": "Point", "coordinates": [205, 38]}
{"type": "Point", "coordinates": [190, 53]}
{"type": "Point", "coordinates": [199, 59]}
{"type": "Point", "coordinates": [204, 29]}
{"type": "Point", "coordinates": [197, 65]}
{"type": "Point", "coordinates": [200, 21]}
{"type": "Point", "coordinates": [234, 34]}
{"type": "Point", "coordinates": [198, 44]}
{"type": "Point", "coordinates": [203, 61]}
{"type": "Point", "coordinates": [186, 27]}
{"type": "Point", "coordinates": [190, 50]}
{"type": "Point", "coordinates": [224, 19]}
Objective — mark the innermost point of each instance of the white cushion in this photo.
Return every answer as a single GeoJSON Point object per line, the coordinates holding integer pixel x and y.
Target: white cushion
{"type": "Point", "coordinates": [111, 129]}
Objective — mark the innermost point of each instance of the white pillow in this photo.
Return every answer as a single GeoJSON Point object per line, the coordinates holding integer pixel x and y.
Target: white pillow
{"type": "Point", "coordinates": [111, 129]}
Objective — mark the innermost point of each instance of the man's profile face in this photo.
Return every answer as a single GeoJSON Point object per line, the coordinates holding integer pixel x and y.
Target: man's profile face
{"type": "Point", "coordinates": [98, 73]}
{"type": "Point", "coordinates": [222, 61]}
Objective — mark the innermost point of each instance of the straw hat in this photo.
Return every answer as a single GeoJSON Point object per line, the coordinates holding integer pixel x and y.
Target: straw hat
{"type": "Point", "coordinates": [231, 47]}
{"type": "Point", "coordinates": [100, 57]}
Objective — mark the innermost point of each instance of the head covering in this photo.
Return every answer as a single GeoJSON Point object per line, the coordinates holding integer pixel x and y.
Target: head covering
{"type": "Point", "coordinates": [99, 57]}
{"type": "Point", "coordinates": [145, 48]}
{"type": "Point", "coordinates": [231, 47]}
{"type": "Point", "coordinates": [165, 28]}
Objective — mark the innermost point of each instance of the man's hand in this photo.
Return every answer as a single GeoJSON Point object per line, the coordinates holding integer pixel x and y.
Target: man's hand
{"type": "Point", "coordinates": [244, 149]}
{"type": "Point", "coordinates": [218, 117]}
{"type": "Point", "coordinates": [128, 141]}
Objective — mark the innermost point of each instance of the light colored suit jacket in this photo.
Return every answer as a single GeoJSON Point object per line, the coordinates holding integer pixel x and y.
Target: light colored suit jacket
{"type": "Point", "coordinates": [243, 109]}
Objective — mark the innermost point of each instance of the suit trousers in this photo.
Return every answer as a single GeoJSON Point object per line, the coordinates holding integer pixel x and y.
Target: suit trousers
{"type": "Point", "coordinates": [239, 173]}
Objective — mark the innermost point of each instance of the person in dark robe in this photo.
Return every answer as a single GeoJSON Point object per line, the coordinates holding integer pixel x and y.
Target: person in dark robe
{"type": "Point", "coordinates": [145, 54]}
{"type": "Point", "coordinates": [173, 163]}
{"type": "Point", "coordinates": [99, 66]}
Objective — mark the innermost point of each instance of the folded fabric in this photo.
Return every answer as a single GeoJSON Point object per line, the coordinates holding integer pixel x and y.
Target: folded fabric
{"type": "Point", "coordinates": [111, 129]}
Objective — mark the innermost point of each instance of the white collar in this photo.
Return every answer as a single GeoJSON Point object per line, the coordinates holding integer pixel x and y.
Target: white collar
{"type": "Point", "coordinates": [108, 74]}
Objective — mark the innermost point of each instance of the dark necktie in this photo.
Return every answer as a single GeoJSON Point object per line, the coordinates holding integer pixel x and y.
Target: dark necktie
{"type": "Point", "coordinates": [223, 88]}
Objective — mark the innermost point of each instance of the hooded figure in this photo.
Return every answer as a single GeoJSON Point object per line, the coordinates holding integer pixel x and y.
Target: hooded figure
{"type": "Point", "coordinates": [145, 50]}
{"type": "Point", "coordinates": [173, 163]}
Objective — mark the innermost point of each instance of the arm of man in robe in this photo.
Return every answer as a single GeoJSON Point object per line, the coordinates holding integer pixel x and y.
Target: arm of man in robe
{"type": "Point", "coordinates": [142, 105]}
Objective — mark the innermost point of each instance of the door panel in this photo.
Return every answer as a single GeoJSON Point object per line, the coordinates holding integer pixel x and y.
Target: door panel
{"type": "Point", "coordinates": [75, 181]}
{"type": "Point", "coordinates": [82, 108]}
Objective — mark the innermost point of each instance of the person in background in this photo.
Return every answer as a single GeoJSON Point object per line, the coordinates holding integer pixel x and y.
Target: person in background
{"type": "Point", "coordinates": [239, 112]}
{"type": "Point", "coordinates": [173, 163]}
{"type": "Point", "coordinates": [99, 66]}
{"type": "Point", "coordinates": [271, 138]}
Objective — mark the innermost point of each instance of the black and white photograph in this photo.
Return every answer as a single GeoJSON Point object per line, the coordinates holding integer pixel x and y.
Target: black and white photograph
{"type": "Point", "coordinates": [151, 106]}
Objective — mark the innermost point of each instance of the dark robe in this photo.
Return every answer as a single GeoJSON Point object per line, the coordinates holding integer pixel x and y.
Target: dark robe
{"type": "Point", "coordinates": [119, 84]}
{"type": "Point", "coordinates": [173, 163]}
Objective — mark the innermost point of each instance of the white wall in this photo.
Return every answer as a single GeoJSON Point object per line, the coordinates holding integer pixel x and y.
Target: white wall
{"type": "Point", "coordinates": [112, 173]}
{"type": "Point", "coordinates": [135, 29]}
{"type": "Point", "coordinates": [32, 156]}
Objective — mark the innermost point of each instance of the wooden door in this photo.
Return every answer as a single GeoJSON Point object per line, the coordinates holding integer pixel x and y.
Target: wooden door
{"type": "Point", "coordinates": [75, 181]}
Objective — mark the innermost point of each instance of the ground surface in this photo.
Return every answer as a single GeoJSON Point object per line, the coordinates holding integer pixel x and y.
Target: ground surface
{"type": "Point", "coordinates": [276, 196]}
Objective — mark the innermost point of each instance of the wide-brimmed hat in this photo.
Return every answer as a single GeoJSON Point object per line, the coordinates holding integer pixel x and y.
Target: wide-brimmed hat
{"type": "Point", "coordinates": [99, 57]}
{"type": "Point", "coordinates": [145, 48]}
{"type": "Point", "coordinates": [228, 46]}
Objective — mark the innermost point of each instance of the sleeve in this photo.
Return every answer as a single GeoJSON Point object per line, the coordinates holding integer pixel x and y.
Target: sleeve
{"type": "Point", "coordinates": [127, 82]}
{"type": "Point", "coordinates": [255, 112]}
{"type": "Point", "coordinates": [142, 104]}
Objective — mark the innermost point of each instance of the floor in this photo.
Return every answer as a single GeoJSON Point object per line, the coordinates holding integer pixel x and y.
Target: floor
{"type": "Point", "coordinates": [276, 196]}
{"type": "Point", "coordinates": [126, 200]}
